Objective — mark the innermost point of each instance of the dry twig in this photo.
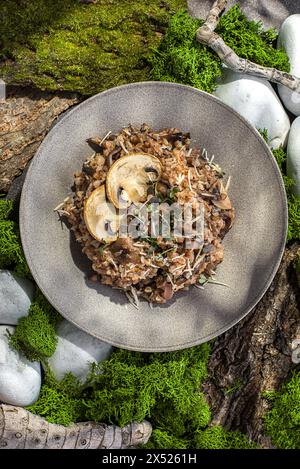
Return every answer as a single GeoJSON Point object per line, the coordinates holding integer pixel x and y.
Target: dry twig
{"type": "Point", "coordinates": [206, 35]}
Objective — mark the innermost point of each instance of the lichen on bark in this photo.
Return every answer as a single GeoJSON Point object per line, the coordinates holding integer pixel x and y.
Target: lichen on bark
{"type": "Point", "coordinates": [85, 48]}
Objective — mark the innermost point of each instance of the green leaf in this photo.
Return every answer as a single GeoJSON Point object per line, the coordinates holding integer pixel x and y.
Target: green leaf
{"type": "Point", "coordinates": [203, 279]}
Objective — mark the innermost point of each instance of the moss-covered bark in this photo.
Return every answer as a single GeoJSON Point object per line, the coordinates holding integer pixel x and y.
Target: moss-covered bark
{"type": "Point", "coordinates": [65, 45]}
{"type": "Point", "coordinates": [86, 48]}
{"type": "Point", "coordinates": [26, 116]}
{"type": "Point", "coordinates": [258, 353]}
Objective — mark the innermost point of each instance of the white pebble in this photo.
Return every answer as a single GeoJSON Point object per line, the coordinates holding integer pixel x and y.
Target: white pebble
{"type": "Point", "coordinates": [75, 351]}
{"type": "Point", "coordinates": [289, 39]}
{"type": "Point", "coordinates": [20, 379]}
{"type": "Point", "coordinates": [256, 101]}
{"type": "Point", "coordinates": [293, 155]}
{"type": "Point", "coordinates": [16, 295]}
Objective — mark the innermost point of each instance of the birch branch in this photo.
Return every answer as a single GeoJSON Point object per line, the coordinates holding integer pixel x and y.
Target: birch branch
{"type": "Point", "coordinates": [19, 429]}
{"type": "Point", "coordinates": [206, 35]}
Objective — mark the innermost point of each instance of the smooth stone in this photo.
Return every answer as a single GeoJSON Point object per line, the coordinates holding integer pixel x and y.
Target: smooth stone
{"type": "Point", "coordinates": [293, 155]}
{"type": "Point", "coordinates": [20, 379]}
{"type": "Point", "coordinates": [75, 351]}
{"type": "Point", "coordinates": [255, 99]}
{"type": "Point", "coordinates": [289, 39]}
{"type": "Point", "coordinates": [16, 295]}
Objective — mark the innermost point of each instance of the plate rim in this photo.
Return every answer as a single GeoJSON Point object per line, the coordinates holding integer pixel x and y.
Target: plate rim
{"type": "Point", "coordinates": [257, 135]}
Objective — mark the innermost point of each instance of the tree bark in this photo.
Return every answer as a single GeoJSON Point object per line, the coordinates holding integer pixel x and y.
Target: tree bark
{"type": "Point", "coordinates": [19, 429]}
{"type": "Point", "coordinates": [256, 356]}
{"type": "Point", "coordinates": [25, 117]}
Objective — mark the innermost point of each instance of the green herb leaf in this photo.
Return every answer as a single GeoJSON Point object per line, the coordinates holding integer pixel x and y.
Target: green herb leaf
{"type": "Point", "coordinates": [162, 254]}
{"type": "Point", "coordinates": [152, 242]}
{"type": "Point", "coordinates": [172, 193]}
{"type": "Point", "coordinates": [101, 249]}
{"type": "Point", "coordinates": [203, 279]}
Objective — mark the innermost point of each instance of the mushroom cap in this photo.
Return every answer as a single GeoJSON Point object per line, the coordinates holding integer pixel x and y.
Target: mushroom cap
{"type": "Point", "coordinates": [128, 178]}
{"type": "Point", "coordinates": [100, 216]}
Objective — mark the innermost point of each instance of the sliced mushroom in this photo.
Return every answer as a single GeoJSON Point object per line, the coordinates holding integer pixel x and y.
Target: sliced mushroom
{"type": "Point", "coordinates": [128, 178]}
{"type": "Point", "coordinates": [223, 202]}
{"type": "Point", "coordinates": [100, 216]}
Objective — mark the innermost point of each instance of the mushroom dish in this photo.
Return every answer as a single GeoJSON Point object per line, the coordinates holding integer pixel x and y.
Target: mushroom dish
{"type": "Point", "coordinates": [150, 212]}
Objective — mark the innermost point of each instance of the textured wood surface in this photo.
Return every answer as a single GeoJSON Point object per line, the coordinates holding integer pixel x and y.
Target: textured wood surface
{"type": "Point", "coordinates": [19, 429]}
{"type": "Point", "coordinates": [25, 118]}
{"type": "Point", "coordinates": [256, 356]}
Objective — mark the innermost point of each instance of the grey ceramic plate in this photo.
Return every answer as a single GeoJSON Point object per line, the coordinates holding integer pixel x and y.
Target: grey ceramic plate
{"type": "Point", "coordinates": [253, 248]}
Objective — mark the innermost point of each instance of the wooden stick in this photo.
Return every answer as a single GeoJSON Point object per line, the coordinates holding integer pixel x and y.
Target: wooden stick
{"type": "Point", "coordinates": [19, 429]}
{"type": "Point", "coordinates": [214, 14]}
{"type": "Point", "coordinates": [206, 35]}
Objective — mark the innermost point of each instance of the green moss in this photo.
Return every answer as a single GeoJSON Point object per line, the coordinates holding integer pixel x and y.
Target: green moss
{"type": "Point", "coordinates": [6, 207]}
{"type": "Point", "coordinates": [293, 201]}
{"type": "Point", "coordinates": [180, 58]}
{"type": "Point", "coordinates": [11, 252]}
{"type": "Point", "coordinates": [85, 48]}
{"type": "Point", "coordinates": [282, 423]}
{"type": "Point", "coordinates": [250, 41]}
{"type": "Point", "coordinates": [294, 217]}
{"type": "Point", "coordinates": [219, 438]}
{"type": "Point", "coordinates": [297, 266]}
{"type": "Point", "coordinates": [35, 334]}
{"type": "Point", "coordinates": [210, 438]}
{"type": "Point", "coordinates": [88, 48]}
{"type": "Point", "coordinates": [134, 386]}
{"type": "Point", "coordinates": [59, 401]}
{"type": "Point", "coordinates": [162, 439]}
{"type": "Point", "coordinates": [164, 388]}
